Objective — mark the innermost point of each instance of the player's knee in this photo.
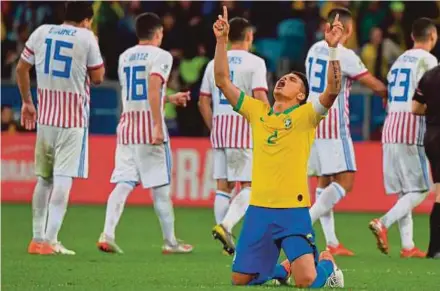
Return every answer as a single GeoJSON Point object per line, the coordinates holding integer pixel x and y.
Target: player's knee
{"type": "Point", "coordinates": [239, 279]}
{"type": "Point", "coordinates": [231, 186]}
{"type": "Point", "coordinates": [245, 184]}
{"type": "Point", "coordinates": [346, 181]}
{"type": "Point", "coordinates": [304, 280]}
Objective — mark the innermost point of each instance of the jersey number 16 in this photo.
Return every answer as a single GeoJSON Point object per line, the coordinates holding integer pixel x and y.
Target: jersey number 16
{"type": "Point", "coordinates": [135, 79]}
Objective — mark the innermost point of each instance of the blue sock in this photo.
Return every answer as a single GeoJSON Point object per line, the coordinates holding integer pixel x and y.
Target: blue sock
{"type": "Point", "coordinates": [323, 271]}
{"type": "Point", "coordinates": [280, 273]}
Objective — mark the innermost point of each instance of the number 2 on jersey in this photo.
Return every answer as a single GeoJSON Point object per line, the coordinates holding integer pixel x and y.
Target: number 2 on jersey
{"type": "Point", "coordinates": [319, 74]}
{"type": "Point", "coordinates": [403, 76]}
{"type": "Point", "coordinates": [223, 99]}
{"type": "Point", "coordinates": [57, 56]}
{"type": "Point", "coordinates": [135, 78]}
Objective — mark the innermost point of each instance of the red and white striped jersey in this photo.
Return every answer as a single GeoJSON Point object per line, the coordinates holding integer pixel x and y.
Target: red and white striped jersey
{"type": "Point", "coordinates": [136, 64]}
{"type": "Point", "coordinates": [401, 126]}
{"type": "Point", "coordinates": [336, 124]}
{"type": "Point", "coordinates": [248, 73]}
{"type": "Point", "coordinates": [63, 55]}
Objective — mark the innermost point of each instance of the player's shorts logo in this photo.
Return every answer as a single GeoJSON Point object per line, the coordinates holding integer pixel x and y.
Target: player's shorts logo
{"type": "Point", "coordinates": [288, 123]}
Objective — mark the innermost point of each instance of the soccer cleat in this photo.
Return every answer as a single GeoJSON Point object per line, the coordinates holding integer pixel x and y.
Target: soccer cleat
{"type": "Point", "coordinates": [179, 248]}
{"type": "Point", "coordinates": [62, 250]}
{"type": "Point", "coordinates": [226, 238]}
{"type": "Point", "coordinates": [412, 253]}
{"type": "Point", "coordinates": [34, 247]}
{"type": "Point", "coordinates": [108, 245]}
{"type": "Point", "coordinates": [46, 249]}
{"type": "Point", "coordinates": [339, 250]}
{"type": "Point", "coordinates": [336, 279]}
{"type": "Point", "coordinates": [380, 232]}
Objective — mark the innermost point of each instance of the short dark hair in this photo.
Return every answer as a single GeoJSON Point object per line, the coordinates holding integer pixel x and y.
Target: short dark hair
{"type": "Point", "coordinates": [237, 28]}
{"type": "Point", "coordinates": [306, 85]}
{"type": "Point", "coordinates": [421, 29]}
{"type": "Point", "coordinates": [77, 11]}
{"type": "Point", "coordinates": [344, 14]}
{"type": "Point", "coordinates": [147, 24]}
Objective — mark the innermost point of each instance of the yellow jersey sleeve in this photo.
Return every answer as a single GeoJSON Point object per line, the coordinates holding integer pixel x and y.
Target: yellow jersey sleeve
{"type": "Point", "coordinates": [249, 107]}
{"type": "Point", "coordinates": [310, 116]}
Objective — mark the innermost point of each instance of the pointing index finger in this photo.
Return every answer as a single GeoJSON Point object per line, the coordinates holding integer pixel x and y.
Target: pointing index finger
{"type": "Point", "coordinates": [225, 13]}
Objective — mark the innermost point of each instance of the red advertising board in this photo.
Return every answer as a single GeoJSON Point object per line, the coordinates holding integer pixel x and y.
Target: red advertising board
{"type": "Point", "coordinates": [192, 175]}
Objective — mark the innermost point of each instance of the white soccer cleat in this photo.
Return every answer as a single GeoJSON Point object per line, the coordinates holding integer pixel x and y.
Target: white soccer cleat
{"type": "Point", "coordinates": [58, 248]}
{"type": "Point", "coordinates": [336, 279]}
{"type": "Point", "coordinates": [108, 245]}
{"type": "Point", "coordinates": [179, 248]}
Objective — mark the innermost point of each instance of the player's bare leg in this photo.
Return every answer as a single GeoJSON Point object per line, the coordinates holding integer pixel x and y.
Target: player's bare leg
{"type": "Point", "coordinates": [328, 193]}
{"type": "Point", "coordinates": [115, 207]}
{"type": "Point", "coordinates": [221, 207]}
{"type": "Point", "coordinates": [236, 211]}
{"type": "Point", "coordinates": [57, 209]}
{"type": "Point", "coordinates": [163, 207]}
{"type": "Point", "coordinates": [40, 202]}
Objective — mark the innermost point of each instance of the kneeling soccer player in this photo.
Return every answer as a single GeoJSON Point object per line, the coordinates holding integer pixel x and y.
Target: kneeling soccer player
{"type": "Point", "coordinates": [278, 216]}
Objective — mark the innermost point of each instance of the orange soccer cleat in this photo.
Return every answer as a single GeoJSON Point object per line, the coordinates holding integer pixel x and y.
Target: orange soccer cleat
{"type": "Point", "coordinates": [34, 247]}
{"type": "Point", "coordinates": [381, 233]}
{"type": "Point", "coordinates": [339, 250]}
{"type": "Point", "coordinates": [47, 249]}
{"type": "Point", "coordinates": [412, 253]}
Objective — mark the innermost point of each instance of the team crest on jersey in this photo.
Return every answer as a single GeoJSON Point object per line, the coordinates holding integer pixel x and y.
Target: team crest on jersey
{"type": "Point", "coordinates": [287, 123]}
{"type": "Point", "coordinates": [164, 68]}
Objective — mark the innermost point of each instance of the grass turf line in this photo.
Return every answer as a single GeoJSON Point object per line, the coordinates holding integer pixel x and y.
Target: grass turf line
{"type": "Point", "coordinates": [143, 267]}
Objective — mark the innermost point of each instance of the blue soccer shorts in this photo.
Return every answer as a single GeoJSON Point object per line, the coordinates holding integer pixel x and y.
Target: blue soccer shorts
{"type": "Point", "coordinates": [268, 230]}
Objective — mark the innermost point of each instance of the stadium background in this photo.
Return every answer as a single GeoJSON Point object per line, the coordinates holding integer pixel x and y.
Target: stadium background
{"type": "Point", "coordinates": [285, 30]}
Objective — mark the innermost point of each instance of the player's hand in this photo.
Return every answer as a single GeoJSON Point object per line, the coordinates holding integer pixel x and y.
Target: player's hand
{"type": "Point", "coordinates": [180, 99]}
{"type": "Point", "coordinates": [221, 26]}
{"type": "Point", "coordinates": [28, 115]}
{"type": "Point", "coordinates": [158, 134]}
{"type": "Point", "coordinates": [334, 32]}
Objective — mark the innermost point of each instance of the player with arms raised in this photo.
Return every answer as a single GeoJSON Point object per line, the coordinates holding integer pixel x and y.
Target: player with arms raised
{"type": "Point", "coordinates": [66, 58]}
{"type": "Point", "coordinates": [278, 215]}
{"type": "Point", "coordinates": [405, 165]}
{"type": "Point", "coordinates": [143, 152]}
{"type": "Point", "coordinates": [332, 157]}
{"type": "Point", "coordinates": [231, 135]}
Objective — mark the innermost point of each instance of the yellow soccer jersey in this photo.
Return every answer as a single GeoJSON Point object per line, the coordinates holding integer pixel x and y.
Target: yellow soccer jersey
{"type": "Point", "coordinates": [282, 143]}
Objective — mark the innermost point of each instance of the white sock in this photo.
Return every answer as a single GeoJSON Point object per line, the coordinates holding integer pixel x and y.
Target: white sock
{"type": "Point", "coordinates": [40, 202]}
{"type": "Point", "coordinates": [328, 224]}
{"type": "Point", "coordinates": [221, 205]}
{"type": "Point", "coordinates": [165, 212]}
{"type": "Point", "coordinates": [406, 231]}
{"type": "Point", "coordinates": [327, 200]}
{"type": "Point", "coordinates": [403, 206]}
{"type": "Point", "coordinates": [237, 209]}
{"type": "Point", "coordinates": [57, 206]}
{"type": "Point", "coordinates": [115, 207]}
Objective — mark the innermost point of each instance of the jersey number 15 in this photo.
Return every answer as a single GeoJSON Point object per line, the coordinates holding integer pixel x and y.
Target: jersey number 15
{"type": "Point", "coordinates": [57, 56]}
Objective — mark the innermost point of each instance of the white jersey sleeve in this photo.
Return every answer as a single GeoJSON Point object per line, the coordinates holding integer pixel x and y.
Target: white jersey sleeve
{"type": "Point", "coordinates": [28, 53]}
{"type": "Point", "coordinates": [425, 64]}
{"type": "Point", "coordinates": [162, 65]}
{"type": "Point", "coordinates": [259, 77]}
{"type": "Point", "coordinates": [94, 58]}
{"type": "Point", "coordinates": [206, 89]}
{"type": "Point", "coordinates": [351, 65]}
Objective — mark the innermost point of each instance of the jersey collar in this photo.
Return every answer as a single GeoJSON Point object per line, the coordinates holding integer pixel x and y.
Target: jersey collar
{"type": "Point", "coordinates": [287, 111]}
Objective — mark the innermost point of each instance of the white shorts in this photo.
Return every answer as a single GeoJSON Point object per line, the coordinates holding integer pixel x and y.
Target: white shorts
{"type": "Point", "coordinates": [61, 151]}
{"type": "Point", "coordinates": [234, 165]}
{"type": "Point", "coordinates": [405, 169]}
{"type": "Point", "coordinates": [143, 163]}
{"type": "Point", "coordinates": [331, 156]}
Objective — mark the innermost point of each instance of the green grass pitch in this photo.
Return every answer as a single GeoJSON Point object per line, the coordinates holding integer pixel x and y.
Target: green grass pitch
{"type": "Point", "coordinates": [143, 267]}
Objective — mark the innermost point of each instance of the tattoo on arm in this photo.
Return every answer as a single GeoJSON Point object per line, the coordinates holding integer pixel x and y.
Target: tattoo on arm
{"type": "Point", "coordinates": [334, 80]}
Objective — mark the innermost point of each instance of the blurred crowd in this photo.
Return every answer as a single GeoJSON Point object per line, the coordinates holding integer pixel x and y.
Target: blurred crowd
{"type": "Point", "coordinates": [284, 32]}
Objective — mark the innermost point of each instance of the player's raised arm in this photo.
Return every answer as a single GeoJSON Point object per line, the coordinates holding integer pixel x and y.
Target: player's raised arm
{"type": "Point", "coordinates": [333, 35]}
{"type": "Point", "coordinates": [221, 65]}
